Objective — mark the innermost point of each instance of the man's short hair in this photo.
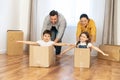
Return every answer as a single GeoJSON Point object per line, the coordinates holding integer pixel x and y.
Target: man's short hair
{"type": "Point", "coordinates": [53, 13]}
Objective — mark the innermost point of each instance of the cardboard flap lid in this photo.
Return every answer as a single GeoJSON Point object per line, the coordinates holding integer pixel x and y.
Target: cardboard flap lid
{"type": "Point", "coordinates": [110, 45]}
{"type": "Point", "coordinates": [13, 30]}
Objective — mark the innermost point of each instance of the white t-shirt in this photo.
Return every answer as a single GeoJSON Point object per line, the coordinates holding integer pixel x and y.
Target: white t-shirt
{"type": "Point", "coordinates": [84, 43]}
{"type": "Point", "coordinates": [43, 43]}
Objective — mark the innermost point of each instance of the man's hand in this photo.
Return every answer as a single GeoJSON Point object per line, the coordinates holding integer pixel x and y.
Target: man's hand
{"type": "Point", "coordinates": [56, 40]}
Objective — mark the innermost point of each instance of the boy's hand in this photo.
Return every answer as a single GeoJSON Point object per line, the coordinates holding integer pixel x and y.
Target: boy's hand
{"type": "Point", "coordinates": [68, 44]}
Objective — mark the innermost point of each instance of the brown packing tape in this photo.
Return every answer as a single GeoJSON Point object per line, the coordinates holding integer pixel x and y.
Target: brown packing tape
{"type": "Point", "coordinates": [13, 30]}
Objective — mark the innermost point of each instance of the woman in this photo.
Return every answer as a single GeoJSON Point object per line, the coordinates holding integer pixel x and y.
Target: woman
{"type": "Point", "coordinates": [86, 25]}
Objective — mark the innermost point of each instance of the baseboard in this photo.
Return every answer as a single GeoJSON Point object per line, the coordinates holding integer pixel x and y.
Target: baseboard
{"type": "Point", "coordinates": [2, 51]}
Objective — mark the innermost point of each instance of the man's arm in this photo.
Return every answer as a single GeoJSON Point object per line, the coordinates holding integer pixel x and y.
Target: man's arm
{"type": "Point", "coordinates": [56, 40]}
{"type": "Point", "coordinates": [61, 30]}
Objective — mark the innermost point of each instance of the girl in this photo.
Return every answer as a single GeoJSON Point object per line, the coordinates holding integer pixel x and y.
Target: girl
{"type": "Point", "coordinates": [84, 42]}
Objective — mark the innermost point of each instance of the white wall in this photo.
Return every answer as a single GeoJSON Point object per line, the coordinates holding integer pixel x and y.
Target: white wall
{"type": "Point", "coordinates": [72, 11]}
{"type": "Point", "coordinates": [9, 19]}
{"type": "Point", "coordinates": [14, 14]}
{"type": "Point", "coordinates": [97, 8]}
{"type": "Point", "coordinates": [97, 14]}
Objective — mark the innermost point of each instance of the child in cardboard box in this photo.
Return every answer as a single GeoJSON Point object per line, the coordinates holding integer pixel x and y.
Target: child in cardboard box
{"type": "Point", "coordinates": [84, 42]}
{"type": "Point", "coordinates": [46, 41]}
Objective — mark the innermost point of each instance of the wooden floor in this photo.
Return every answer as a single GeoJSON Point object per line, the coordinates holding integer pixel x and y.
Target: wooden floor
{"type": "Point", "coordinates": [16, 68]}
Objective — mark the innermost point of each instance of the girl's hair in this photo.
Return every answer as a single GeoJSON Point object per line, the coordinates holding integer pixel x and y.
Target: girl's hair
{"type": "Point", "coordinates": [47, 32]}
{"type": "Point", "coordinates": [87, 35]}
{"type": "Point", "coordinates": [84, 15]}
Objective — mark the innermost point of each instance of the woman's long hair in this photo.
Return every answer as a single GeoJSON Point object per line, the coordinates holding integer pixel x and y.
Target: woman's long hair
{"type": "Point", "coordinates": [87, 35]}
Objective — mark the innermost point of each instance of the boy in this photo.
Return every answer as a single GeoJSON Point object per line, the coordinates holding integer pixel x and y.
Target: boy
{"type": "Point", "coordinates": [46, 41]}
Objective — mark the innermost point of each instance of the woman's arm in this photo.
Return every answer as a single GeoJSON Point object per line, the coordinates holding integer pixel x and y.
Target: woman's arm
{"type": "Point", "coordinates": [78, 31]}
{"type": "Point", "coordinates": [28, 42]}
{"type": "Point", "coordinates": [93, 31]}
{"type": "Point", "coordinates": [97, 49]}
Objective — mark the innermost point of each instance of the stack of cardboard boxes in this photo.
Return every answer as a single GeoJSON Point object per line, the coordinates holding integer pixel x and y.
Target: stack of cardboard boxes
{"type": "Point", "coordinates": [112, 50]}
{"type": "Point", "coordinates": [14, 48]}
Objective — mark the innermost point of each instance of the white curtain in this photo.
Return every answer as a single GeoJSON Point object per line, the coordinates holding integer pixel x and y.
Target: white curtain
{"type": "Point", "coordinates": [110, 22]}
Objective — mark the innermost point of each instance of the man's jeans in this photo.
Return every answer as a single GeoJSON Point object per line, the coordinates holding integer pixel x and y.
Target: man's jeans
{"type": "Point", "coordinates": [53, 37]}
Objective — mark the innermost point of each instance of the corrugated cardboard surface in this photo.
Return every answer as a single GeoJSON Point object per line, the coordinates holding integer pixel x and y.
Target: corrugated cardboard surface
{"type": "Point", "coordinates": [41, 56]}
{"type": "Point", "coordinates": [14, 48]}
{"type": "Point", "coordinates": [112, 50]}
{"type": "Point", "coordinates": [82, 57]}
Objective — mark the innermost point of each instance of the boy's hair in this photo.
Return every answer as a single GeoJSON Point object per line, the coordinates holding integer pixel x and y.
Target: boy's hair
{"type": "Point", "coordinates": [47, 32]}
{"type": "Point", "coordinates": [53, 13]}
{"type": "Point", "coordinates": [84, 15]}
{"type": "Point", "coordinates": [87, 35]}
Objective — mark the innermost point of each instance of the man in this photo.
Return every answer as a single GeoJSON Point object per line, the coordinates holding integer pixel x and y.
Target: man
{"type": "Point", "coordinates": [56, 23]}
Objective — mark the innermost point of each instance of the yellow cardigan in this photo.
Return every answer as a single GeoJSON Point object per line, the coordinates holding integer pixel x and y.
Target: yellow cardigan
{"type": "Point", "coordinates": [91, 29]}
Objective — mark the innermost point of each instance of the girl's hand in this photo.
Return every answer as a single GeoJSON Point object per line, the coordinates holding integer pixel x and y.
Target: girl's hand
{"type": "Point", "coordinates": [105, 54]}
{"type": "Point", "coordinates": [18, 41]}
{"type": "Point", "coordinates": [71, 44]}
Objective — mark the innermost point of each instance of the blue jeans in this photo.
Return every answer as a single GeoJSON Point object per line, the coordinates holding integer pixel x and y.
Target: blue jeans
{"type": "Point", "coordinates": [53, 37]}
{"type": "Point", "coordinates": [82, 46]}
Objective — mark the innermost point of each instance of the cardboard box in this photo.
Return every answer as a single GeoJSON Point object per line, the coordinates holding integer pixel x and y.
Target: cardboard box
{"type": "Point", "coordinates": [112, 50]}
{"type": "Point", "coordinates": [14, 48]}
{"type": "Point", "coordinates": [82, 57]}
{"type": "Point", "coordinates": [41, 56]}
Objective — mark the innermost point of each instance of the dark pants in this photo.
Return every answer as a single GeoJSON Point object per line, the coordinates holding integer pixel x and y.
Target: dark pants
{"type": "Point", "coordinates": [53, 37]}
